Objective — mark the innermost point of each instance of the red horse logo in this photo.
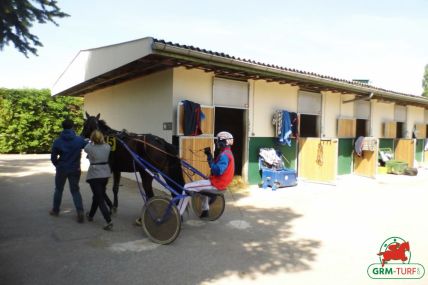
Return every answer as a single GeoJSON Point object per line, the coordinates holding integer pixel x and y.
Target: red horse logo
{"type": "Point", "coordinates": [396, 251]}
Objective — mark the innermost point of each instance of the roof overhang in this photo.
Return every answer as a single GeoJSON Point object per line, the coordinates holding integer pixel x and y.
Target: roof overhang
{"type": "Point", "coordinates": [98, 68]}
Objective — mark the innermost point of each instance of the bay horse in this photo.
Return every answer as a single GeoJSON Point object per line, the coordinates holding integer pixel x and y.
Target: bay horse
{"type": "Point", "coordinates": [155, 150]}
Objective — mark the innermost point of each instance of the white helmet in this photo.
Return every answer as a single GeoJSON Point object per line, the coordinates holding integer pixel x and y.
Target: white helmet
{"type": "Point", "coordinates": [225, 136]}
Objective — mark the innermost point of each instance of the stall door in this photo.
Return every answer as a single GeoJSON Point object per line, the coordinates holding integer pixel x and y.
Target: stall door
{"type": "Point", "coordinates": [318, 159]}
{"type": "Point", "coordinates": [192, 151]}
{"type": "Point", "coordinates": [419, 155]}
{"type": "Point", "coordinates": [192, 147]}
{"type": "Point", "coordinates": [366, 164]}
{"type": "Point", "coordinates": [345, 156]}
{"type": "Point", "coordinates": [405, 151]}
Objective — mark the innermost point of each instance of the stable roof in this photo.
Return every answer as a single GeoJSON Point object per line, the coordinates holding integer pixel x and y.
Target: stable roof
{"type": "Point", "coordinates": [97, 68]}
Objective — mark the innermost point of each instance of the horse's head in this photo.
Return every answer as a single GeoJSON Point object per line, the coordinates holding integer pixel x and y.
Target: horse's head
{"type": "Point", "coordinates": [405, 246]}
{"type": "Point", "coordinates": [91, 123]}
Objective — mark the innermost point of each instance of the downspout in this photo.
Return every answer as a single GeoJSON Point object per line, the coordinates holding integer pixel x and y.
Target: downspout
{"type": "Point", "coordinates": [359, 99]}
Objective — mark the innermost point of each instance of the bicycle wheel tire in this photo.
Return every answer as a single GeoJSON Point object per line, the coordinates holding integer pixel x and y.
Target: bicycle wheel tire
{"type": "Point", "coordinates": [216, 208]}
{"type": "Point", "coordinates": [161, 220]}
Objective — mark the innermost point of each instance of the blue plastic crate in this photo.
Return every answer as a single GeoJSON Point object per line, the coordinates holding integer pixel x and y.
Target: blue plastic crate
{"type": "Point", "coordinates": [278, 178]}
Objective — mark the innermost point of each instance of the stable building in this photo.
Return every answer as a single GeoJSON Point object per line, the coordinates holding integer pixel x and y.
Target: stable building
{"type": "Point", "coordinates": [140, 86]}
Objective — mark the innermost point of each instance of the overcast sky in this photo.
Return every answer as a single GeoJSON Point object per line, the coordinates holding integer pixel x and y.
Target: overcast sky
{"type": "Point", "coordinates": [383, 41]}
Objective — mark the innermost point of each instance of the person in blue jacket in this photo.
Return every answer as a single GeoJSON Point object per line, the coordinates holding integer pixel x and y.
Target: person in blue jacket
{"type": "Point", "coordinates": [65, 156]}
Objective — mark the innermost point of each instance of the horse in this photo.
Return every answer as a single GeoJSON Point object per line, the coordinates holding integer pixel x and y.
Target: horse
{"type": "Point", "coordinates": [396, 251]}
{"type": "Point", "coordinates": [153, 149]}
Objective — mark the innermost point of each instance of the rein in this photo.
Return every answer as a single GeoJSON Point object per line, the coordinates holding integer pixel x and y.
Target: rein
{"type": "Point", "coordinates": [188, 172]}
{"type": "Point", "coordinates": [167, 153]}
{"type": "Point", "coordinates": [113, 135]}
{"type": "Point", "coordinates": [155, 147]}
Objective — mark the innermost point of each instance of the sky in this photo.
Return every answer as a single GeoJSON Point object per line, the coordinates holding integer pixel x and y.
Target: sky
{"type": "Point", "coordinates": [385, 42]}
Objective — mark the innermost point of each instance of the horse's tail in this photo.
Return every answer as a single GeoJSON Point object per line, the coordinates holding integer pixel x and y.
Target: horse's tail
{"type": "Point", "coordinates": [381, 253]}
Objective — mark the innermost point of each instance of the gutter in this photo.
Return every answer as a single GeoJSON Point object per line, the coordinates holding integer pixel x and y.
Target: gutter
{"type": "Point", "coordinates": [171, 50]}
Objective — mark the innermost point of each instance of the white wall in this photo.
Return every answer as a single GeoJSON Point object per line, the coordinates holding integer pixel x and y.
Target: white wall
{"type": "Point", "coordinates": [415, 115]}
{"type": "Point", "coordinates": [131, 105]}
{"type": "Point", "coordinates": [381, 112]}
{"type": "Point", "coordinates": [347, 110]}
{"type": "Point", "coordinates": [191, 84]}
{"type": "Point", "coordinates": [265, 99]}
{"type": "Point", "coordinates": [331, 112]}
{"type": "Point", "coordinates": [194, 85]}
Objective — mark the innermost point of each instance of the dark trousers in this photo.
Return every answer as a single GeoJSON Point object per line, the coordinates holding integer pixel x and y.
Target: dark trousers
{"type": "Point", "coordinates": [73, 181]}
{"type": "Point", "coordinates": [98, 187]}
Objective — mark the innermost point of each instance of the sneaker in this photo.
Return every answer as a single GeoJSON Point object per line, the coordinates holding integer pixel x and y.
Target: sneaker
{"type": "Point", "coordinates": [108, 227]}
{"type": "Point", "coordinates": [80, 218]}
{"type": "Point", "coordinates": [53, 213]}
{"type": "Point", "coordinates": [89, 218]}
{"type": "Point", "coordinates": [204, 214]}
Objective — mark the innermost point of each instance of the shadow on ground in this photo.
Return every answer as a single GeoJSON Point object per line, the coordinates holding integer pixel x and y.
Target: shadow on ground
{"type": "Point", "coordinates": [246, 242]}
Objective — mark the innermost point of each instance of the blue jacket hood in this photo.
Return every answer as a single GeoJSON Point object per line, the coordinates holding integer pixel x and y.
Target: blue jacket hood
{"type": "Point", "coordinates": [66, 149]}
{"type": "Point", "coordinates": [68, 135]}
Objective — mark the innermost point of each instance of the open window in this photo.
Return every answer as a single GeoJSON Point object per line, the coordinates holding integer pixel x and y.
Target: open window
{"type": "Point", "coordinates": [362, 128]}
{"type": "Point", "coordinates": [362, 114]}
{"type": "Point", "coordinates": [400, 130]}
{"type": "Point", "coordinates": [400, 118]}
{"type": "Point", "coordinates": [309, 108]}
{"type": "Point", "coordinates": [309, 126]}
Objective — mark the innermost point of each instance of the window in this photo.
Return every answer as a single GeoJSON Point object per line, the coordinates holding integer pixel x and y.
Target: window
{"type": "Point", "coordinates": [309, 126]}
{"type": "Point", "coordinates": [400, 130]}
{"type": "Point", "coordinates": [362, 128]}
{"type": "Point", "coordinates": [309, 107]}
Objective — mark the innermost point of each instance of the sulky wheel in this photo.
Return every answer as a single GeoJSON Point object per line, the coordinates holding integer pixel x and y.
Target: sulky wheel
{"type": "Point", "coordinates": [217, 205]}
{"type": "Point", "coordinates": [161, 220]}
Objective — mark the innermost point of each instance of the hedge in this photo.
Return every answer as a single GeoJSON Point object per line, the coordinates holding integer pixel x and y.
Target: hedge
{"type": "Point", "coordinates": [30, 119]}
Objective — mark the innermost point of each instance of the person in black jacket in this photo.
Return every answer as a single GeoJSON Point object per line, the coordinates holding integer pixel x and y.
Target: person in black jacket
{"type": "Point", "coordinates": [65, 156]}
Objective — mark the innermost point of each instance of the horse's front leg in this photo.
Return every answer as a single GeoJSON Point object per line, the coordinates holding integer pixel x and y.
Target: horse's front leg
{"type": "Point", "coordinates": [116, 181]}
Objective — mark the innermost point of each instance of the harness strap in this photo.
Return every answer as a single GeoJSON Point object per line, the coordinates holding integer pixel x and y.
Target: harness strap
{"type": "Point", "coordinates": [99, 163]}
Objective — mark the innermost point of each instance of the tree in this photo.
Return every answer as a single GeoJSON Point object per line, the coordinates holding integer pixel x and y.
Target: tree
{"type": "Point", "coordinates": [30, 119]}
{"type": "Point", "coordinates": [17, 17]}
{"type": "Point", "coordinates": [425, 82]}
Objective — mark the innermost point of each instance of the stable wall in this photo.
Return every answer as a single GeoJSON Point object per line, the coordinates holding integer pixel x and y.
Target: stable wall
{"type": "Point", "coordinates": [381, 112]}
{"type": "Point", "coordinates": [265, 99]}
{"type": "Point", "coordinates": [347, 110]}
{"type": "Point", "coordinates": [415, 115]}
{"type": "Point", "coordinates": [191, 84]}
{"type": "Point", "coordinates": [131, 105]}
{"type": "Point", "coordinates": [330, 113]}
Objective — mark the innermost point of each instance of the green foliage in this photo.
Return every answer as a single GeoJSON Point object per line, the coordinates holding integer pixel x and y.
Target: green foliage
{"type": "Point", "coordinates": [30, 119]}
{"type": "Point", "coordinates": [17, 17]}
{"type": "Point", "coordinates": [425, 82]}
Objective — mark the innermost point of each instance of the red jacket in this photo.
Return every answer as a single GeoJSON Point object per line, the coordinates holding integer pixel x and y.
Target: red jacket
{"type": "Point", "coordinates": [223, 180]}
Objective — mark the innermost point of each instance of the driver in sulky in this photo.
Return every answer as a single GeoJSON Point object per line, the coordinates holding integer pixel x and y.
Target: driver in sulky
{"type": "Point", "coordinates": [222, 172]}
